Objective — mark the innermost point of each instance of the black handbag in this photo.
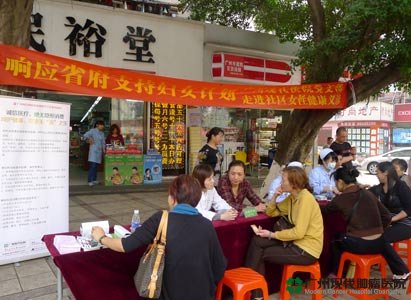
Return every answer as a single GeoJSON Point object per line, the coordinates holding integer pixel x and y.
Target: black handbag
{"type": "Point", "coordinates": [284, 223]}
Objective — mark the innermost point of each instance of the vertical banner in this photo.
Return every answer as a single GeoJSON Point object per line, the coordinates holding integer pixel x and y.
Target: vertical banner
{"type": "Point", "coordinates": [34, 175]}
{"type": "Point", "coordinates": [168, 130]}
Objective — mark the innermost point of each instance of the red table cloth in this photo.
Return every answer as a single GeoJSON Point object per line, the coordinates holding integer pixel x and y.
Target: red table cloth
{"type": "Point", "coordinates": [106, 274]}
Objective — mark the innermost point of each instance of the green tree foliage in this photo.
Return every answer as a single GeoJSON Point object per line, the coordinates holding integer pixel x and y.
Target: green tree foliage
{"type": "Point", "coordinates": [367, 37]}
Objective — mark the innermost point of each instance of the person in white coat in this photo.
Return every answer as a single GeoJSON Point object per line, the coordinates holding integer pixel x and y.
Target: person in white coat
{"type": "Point", "coordinates": [211, 205]}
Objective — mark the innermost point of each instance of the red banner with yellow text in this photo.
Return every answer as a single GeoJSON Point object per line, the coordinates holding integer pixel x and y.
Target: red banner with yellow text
{"type": "Point", "coordinates": [25, 67]}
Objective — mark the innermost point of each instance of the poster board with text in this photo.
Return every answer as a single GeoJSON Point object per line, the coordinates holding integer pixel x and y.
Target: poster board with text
{"type": "Point", "coordinates": [34, 175]}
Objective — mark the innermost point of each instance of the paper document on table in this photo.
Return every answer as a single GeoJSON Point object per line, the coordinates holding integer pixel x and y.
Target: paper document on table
{"type": "Point", "coordinates": [86, 228]}
{"type": "Point", "coordinates": [120, 231]}
{"type": "Point", "coordinates": [66, 244]}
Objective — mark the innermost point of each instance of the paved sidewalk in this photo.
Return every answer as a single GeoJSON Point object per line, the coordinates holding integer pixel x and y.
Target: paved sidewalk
{"type": "Point", "coordinates": [36, 279]}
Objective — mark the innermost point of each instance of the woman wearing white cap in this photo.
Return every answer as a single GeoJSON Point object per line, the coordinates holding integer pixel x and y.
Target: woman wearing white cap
{"type": "Point", "coordinates": [321, 180]}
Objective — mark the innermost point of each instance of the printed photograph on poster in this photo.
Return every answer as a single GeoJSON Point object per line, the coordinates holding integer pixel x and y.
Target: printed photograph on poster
{"type": "Point", "coordinates": [123, 169]}
{"type": "Point", "coordinates": [153, 172]}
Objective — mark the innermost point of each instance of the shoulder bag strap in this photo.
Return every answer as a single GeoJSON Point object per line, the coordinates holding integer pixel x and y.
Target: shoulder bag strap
{"type": "Point", "coordinates": [164, 228]}
{"type": "Point", "coordinates": [163, 220]}
{"type": "Point", "coordinates": [290, 212]}
{"type": "Point", "coordinates": [160, 253]}
{"type": "Point", "coordinates": [354, 208]}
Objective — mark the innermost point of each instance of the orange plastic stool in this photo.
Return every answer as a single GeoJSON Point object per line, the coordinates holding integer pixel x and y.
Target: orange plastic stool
{"type": "Point", "coordinates": [289, 271]}
{"type": "Point", "coordinates": [363, 264]}
{"type": "Point", "coordinates": [242, 281]}
{"type": "Point", "coordinates": [405, 252]}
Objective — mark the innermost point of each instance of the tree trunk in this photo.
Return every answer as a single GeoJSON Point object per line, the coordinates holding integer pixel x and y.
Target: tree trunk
{"type": "Point", "coordinates": [302, 127]}
{"type": "Point", "coordinates": [15, 24]}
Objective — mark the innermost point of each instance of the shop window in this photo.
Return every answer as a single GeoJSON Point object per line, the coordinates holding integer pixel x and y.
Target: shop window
{"type": "Point", "coordinates": [129, 116]}
{"type": "Point", "coordinates": [359, 138]}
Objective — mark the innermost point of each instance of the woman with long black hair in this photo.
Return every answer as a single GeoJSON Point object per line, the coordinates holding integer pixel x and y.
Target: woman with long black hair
{"type": "Point", "coordinates": [395, 195]}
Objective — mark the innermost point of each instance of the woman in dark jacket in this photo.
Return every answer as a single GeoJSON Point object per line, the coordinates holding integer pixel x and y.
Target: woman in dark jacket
{"type": "Point", "coordinates": [366, 219]}
{"type": "Point", "coordinates": [194, 261]}
{"type": "Point", "coordinates": [395, 195]}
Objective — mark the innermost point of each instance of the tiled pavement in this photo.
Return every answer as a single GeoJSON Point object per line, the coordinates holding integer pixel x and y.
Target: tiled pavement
{"type": "Point", "coordinates": [36, 279]}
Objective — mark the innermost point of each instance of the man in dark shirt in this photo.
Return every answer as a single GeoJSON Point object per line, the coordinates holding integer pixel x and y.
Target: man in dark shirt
{"type": "Point", "coordinates": [342, 148]}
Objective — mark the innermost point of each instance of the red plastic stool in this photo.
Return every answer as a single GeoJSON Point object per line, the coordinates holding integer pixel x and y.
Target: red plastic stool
{"type": "Point", "coordinates": [289, 271]}
{"type": "Point", "coordinates": [405, 252]}
{"type": "Point", "coordinates": [242, 281]}
{"type": "Point", "coordinates": [363, 264]}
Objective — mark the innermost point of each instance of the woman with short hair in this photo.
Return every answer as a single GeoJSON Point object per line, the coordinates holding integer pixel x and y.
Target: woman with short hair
{"type": "Point", "coordinates": [194, 261]}
{"type": "Point", "coordinates": [306, 236]}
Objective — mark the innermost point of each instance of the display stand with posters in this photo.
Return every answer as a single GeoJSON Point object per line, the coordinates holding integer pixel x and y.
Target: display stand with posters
{"type": "Point", "coordinates": [123, 167]}
{"type": "Point", "coordinates": [34, 170]}
{"type": "Point", "coordinates": [153, 169]}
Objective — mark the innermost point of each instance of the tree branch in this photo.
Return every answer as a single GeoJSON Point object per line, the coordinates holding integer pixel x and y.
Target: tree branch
{"type": "Point", "coordinates": [317, 19]}
{"type": "Point", "coordinates": [371, 84]}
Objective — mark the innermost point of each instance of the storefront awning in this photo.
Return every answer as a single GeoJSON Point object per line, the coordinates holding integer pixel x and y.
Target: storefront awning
{"type": "Point", "coordinates": [23, 67]}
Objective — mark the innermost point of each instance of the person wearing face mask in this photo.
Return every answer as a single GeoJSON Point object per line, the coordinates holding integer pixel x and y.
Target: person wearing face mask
{"type": "Point", "coordinates": [321, 180]}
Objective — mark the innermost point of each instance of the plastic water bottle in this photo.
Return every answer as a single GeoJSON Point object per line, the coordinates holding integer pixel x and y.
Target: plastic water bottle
{"type": "Point", "coordinates": [135, 221]}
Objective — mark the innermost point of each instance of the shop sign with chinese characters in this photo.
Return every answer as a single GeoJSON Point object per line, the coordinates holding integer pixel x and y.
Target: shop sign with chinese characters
{"type": "Point", "coordinates": [373, 111]}
{"type": "Point", "coordinates": [168, 135]}
{"type": "Point", "coordinates": [24, 67]}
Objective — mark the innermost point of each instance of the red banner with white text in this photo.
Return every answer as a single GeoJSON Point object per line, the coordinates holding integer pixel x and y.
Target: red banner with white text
{"type": "Point", "coordinates": [23, 67]}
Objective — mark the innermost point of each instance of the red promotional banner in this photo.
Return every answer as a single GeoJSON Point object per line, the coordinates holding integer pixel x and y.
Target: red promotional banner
{"type": "Point", "coordinates": [24, 67]}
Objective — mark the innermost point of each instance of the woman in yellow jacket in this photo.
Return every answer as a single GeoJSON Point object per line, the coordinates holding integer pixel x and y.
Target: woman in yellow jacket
{"type": "Point", "coordinates": [305, 238]}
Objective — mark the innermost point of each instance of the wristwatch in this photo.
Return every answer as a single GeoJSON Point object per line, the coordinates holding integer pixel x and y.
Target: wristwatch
{"type": "Point", "coordinates": [100, 239]}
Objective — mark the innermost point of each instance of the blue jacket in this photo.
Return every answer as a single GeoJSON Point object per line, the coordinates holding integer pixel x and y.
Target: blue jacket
{"type": "Point", "coordinates": [319, 179]}
{"type": "Point", "coordinates": [95, 153]}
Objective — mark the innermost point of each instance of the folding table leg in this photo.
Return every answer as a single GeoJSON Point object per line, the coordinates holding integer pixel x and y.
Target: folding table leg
{"type": "Point", "coordinates": [59, 285]}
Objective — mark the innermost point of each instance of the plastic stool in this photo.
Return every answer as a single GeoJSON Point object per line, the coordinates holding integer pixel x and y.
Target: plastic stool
{"type": "Point", "coordinates": [405, 253]}
{"type": "Point", "coordinates": [363, 263]}
{"type": "Point", "coordinates": [289, 271]}
{"type": "Point", "coordinates": [242, 281]}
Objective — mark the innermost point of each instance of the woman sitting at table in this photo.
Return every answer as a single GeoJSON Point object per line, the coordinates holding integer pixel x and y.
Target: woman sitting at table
{"type": "Point", "coordinates": [396, 197]}
{"type": "Point", "coordinates": [321, 180]}
{"type": "Point", "coordinates": [234, 188]}
{"type": "Point", "coordinates": [306, 236]}
{"type": "Point", "coordinates": [210, 198]}
{"type": "Point", "coordinates": [194, 261]}
{"type": "Point", "coordinates": [114, 137]}
{"type": "Point", "coordinates": [366, 219]}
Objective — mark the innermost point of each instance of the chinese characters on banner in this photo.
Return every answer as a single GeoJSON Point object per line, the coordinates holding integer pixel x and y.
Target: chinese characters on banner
{"type": "Point", "coordinates": [24, 67]}
{"type": "Point", "coordinates": [168, 128]}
